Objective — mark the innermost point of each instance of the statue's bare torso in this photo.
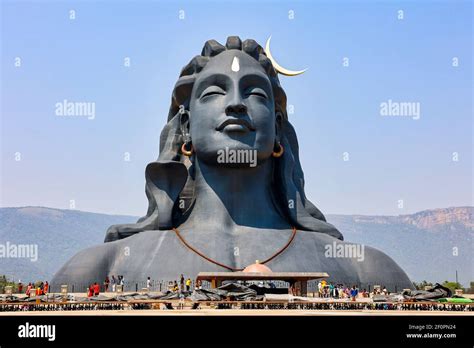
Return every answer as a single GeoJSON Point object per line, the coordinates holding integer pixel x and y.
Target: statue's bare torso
{"type": "Point", "coordinates": [162, 256]}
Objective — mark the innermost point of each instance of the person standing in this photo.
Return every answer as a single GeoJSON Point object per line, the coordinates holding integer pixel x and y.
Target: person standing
{"type": "Point", "coordinates": [113, 282]}
{"type": "Point", "coordinates": [181, 282]}
{"type": "Point", "coordinates": [175, 286]}
{"type": "Point", "coordinates": [20, 287]}
{"type": "Point", "coordinates": [292, 288]}
{"type": "Point", "coordinates": [106, 284]}
{"type": "Point", "coordinates": [354, 292]}
{"type": "Point", "coordinates": [96, 289]}
{"type": "Point", "coordinates": [331, 288]}
{"type": "Point", "coordinates": [188, 284]}
{"type": "Point", "coordinates": [46, 287]}
{"type": "Point", "coordinates": [28, 289]}
{"type": "Point", "coordinates": [148, 283]}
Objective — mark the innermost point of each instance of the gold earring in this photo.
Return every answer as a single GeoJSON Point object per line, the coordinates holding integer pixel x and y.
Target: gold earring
{"type": "Point", "coordinates": [186, 152]}
{"type": "Point", "coordinates": [280, 152]}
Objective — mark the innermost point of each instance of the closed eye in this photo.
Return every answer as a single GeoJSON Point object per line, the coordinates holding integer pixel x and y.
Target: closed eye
{"type": "Point", "coordinates": [256, 92]}
{"type": "Point", "coordinates": [212, 91]}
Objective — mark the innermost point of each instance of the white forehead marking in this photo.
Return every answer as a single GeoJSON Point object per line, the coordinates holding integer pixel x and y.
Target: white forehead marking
{"type": "Point", "coordinates": [235, 64]}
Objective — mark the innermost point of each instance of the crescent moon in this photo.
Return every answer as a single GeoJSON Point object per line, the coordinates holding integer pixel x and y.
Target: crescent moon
{"type": "Point", "coordinates": [277, 66]}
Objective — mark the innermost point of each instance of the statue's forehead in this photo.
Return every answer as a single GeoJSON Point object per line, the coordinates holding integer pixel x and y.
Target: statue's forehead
{"type": "Point", "coordinates": [233, 63]}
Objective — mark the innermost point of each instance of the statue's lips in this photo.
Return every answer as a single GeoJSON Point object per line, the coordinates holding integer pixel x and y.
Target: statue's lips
{"type": "Point", "coordinates": [236, 124]}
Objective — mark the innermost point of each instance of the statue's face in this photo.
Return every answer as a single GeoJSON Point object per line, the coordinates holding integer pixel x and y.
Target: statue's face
{"type": "Point", "coordinates": [232, 108]}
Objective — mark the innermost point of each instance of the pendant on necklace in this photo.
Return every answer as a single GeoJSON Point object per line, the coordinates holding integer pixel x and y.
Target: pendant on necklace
{"type": "Point", "coordinates": [257, 267]}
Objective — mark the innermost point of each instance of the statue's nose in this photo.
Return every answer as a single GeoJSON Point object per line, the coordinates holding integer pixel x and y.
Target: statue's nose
{"type": "Point", "coordinates": [237, 108]}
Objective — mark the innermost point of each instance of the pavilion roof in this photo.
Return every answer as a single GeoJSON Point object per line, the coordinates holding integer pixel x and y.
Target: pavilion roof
{"type": "Point", "coordinates": [262, 276]}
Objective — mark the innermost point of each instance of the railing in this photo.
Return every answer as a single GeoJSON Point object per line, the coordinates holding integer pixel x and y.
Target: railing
{"type": "Point", "coordinates": [129, 286]}
{"type": "Point", "coordinates": [243, 305]}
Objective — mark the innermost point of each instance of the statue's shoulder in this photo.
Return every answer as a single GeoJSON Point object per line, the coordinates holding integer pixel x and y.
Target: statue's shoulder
{"type": "Point", "coordinates": [383, 269]}
{"type": "Point", "coordinates": [88, 265]}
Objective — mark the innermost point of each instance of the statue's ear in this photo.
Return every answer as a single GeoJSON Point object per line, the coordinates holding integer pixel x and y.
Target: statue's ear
{"type": "Point", "coordinates": [278, 126]}
{"type": "Point", "coordinates": [184, 123]}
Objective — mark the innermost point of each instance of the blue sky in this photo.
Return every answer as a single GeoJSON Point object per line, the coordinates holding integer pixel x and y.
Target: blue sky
{"type": "Point", "coordinates": [336, 107]}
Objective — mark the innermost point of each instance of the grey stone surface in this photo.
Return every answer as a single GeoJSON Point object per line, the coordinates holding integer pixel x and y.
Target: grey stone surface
{"type": "Point", "coordinates": [228, 98]}
{"type": "Point", "coordinates": [162, 256]}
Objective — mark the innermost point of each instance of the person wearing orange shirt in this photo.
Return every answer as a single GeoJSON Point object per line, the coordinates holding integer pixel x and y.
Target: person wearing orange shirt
{"type": "Point", "coordinates": [28, 289]}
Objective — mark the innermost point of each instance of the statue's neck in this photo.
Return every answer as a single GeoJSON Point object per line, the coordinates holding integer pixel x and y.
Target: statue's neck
{"type": "Point", "coordinates": [227, 197]}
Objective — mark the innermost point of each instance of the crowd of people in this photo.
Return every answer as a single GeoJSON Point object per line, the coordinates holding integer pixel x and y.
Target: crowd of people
{"type": "Point", "coordinates": [339, 291]}
{"type": "Point", "coordinates": [38, 288]}
{"type": "Point", "coordinates": [110, 285]}
{"type": "Point", "coordinates": [184, 285]}
{"type": "Point", "coordinates": [324, 289]}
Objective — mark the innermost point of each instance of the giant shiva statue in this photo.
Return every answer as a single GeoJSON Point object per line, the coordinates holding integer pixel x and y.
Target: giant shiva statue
{"type": "Point", "coordinates": [228, 188]}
